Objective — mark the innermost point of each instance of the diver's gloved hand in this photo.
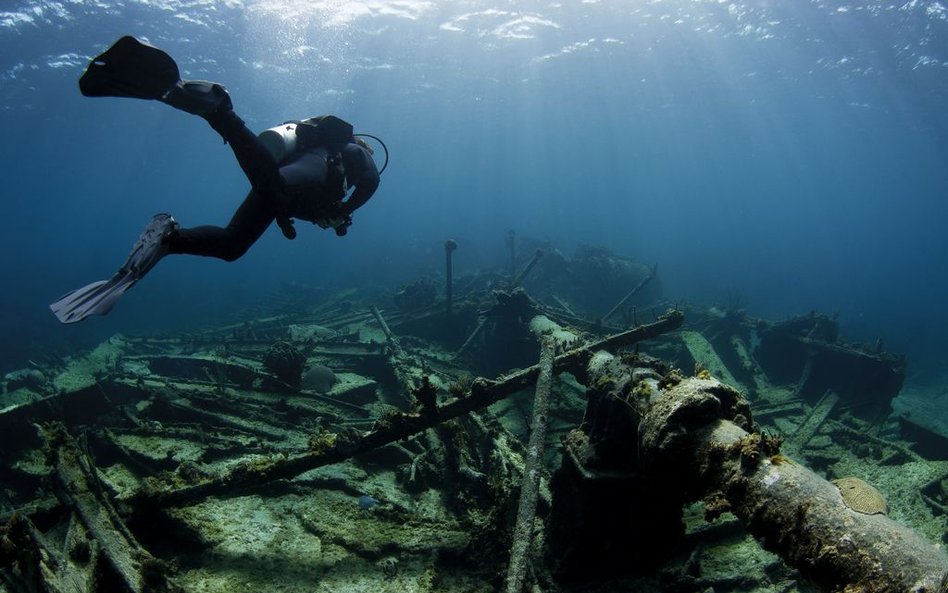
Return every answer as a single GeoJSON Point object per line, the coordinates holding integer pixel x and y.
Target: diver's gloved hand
{"type": "Point", "coordinates": [329, 223]}
{"type": "Point", "coordinates": [340, 223]}
{"type": "Point", "coordinates": [198, 97]}
{"type": "Point", "coordinates": [343, 227]}
{"type": "Point", "coordinates": [335, 216]}
{"type": "Point", "coordinates": [286, 225]}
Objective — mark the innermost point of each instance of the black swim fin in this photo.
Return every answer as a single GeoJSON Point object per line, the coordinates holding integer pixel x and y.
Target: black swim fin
{"type": "Point", "coordinates": [130, 68]}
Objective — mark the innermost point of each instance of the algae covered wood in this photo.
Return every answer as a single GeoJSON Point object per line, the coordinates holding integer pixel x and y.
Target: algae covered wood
{"type": "Point", "coordinates": [77, 487]}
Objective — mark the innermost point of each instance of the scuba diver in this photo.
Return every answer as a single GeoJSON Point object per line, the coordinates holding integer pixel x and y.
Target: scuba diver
{"type": "Point", "coordinates": [302, 169]}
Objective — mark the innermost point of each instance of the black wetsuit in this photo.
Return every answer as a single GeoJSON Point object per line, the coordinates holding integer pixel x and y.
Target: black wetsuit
{"type": "Point", "coordinates": [302, 188]}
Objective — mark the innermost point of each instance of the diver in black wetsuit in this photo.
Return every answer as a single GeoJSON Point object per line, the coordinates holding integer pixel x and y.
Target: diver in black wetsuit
{"type": "Point", "coordinates": [304, 170]}
{"type": "Point", "coordinates": [310, 186]}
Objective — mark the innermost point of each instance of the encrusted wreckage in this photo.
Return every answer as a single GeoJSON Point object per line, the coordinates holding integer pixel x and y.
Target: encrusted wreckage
{"type": "Point", "coordinates": [360, 442]}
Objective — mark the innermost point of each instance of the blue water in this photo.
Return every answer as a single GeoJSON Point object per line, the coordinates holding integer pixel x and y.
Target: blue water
{"type": "Point", "coordinates": [791, 152]}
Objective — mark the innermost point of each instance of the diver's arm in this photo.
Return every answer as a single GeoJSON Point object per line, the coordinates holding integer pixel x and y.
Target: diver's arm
{"type": "Point", "coordinates": [360, 172]}
{"type": "Point", "coordinates": [360, 196]}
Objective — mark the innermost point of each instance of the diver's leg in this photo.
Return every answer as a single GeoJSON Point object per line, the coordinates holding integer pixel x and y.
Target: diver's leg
{"type": "Point", "coordinates": [211, 101]}
{"type": "Point", "coordinates": [253, 157]}
{"type": "Point", "coordinates": [228, 243]}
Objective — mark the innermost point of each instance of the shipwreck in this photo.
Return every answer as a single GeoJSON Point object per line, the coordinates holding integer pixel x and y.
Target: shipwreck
{"type": "Point", "coordinates": [510, 430]}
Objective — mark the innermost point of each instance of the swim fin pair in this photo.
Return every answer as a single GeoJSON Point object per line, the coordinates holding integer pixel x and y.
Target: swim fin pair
{"type": "Point", "coordinates": [138, 70]}
{"type": "Point", "coordinates": [99, 297]}
{"type": "Point", "coordinates": [133, 69]}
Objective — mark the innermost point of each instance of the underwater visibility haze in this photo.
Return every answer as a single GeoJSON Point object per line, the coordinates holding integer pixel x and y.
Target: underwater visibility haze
{"type": "Point", "coordinates": [414, 406]}
{"type": "Point", "coordinates": [782, 156]}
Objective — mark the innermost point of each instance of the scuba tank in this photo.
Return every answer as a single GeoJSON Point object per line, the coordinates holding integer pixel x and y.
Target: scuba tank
{"type": "Point", "coordinates": [280, 141]}
{"type": "Point", "coordinates": [286, 139]}
{"type": "Point", "coordinates": [289, 137]}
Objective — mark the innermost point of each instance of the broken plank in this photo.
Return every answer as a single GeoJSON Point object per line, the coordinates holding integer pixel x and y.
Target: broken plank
{"type": "Point", "coordinates": [76, 486]}
{"type": "Point", "coordinates": [814, 420]}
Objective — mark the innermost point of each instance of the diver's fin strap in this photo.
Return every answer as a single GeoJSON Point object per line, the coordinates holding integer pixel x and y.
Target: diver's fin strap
{"type": "Point", "coordinates": [198, 97]}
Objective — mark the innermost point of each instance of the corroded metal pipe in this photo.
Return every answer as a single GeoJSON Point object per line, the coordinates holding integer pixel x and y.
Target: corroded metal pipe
{"type": "Point", "coordinates": [526, 270]}
{"type": "Point", "coordinates": [390, 336]}
{"type": "Point", "coordinates": [533, 468]}
{"type": "Point", "coordinates": [795, 513]}
{"type": "Point", "coordinates": [631, 293]}
{"type": "Point", "coordinates": [449, 246]}
{"type": "Point", "coordinates": [511, 242]}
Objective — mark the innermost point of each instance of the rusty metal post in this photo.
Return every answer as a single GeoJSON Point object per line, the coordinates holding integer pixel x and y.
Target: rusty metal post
{"type": "Point", "coordinates": [449, 246]}
{"type": "Point", "coordinates": [511, 242]}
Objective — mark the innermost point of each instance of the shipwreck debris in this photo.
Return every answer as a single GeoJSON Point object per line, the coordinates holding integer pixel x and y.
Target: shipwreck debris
{"type": "Point", "coordinates": [393, 427]}
{"type": "Point", "coordinates": [806, 352]}
{"type": "Point", "coordinates": [533, 469]}
{"type": "Point", "coordinates": [195, 433]}
{"type": "Point", "coordinates": [697, 441]}
{"type": "Point", "coordinates": [515, 282]}
{"type": "Point", "coordinates": [78, 487]}
{"type": "Point", "coordinates": [286, 362]}
{"type": "Point", "coordinates": [652, 272]}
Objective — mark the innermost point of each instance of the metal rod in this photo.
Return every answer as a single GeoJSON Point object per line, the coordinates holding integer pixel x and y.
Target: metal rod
{"type": "Point", "coordinates": [631, 293]}
{"type": "Point", "coordinates": [511, 242]}
{"type": "Point", "coordinates": [533, 468]}
{"type": "Point", "coordinates": [526, 270]}
{"type": "Point", "coordinates": [389, 336]}
{"type": "Point", "coordinates": [470, 339]}
{"type": "Point", "coordinates": [449, 246]}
